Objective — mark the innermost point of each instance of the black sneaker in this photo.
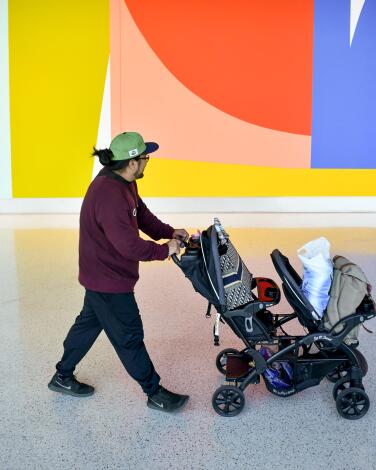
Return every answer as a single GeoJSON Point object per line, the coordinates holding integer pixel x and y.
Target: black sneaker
{"type": "Point", "coordinates": [163, 400]}
{"type": "Point", "coordinates": [70, 386]}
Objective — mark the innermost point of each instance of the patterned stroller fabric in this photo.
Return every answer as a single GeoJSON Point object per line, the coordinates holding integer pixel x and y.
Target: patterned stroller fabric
{"type": "Point", "coordinates": [216, 270]}
{"type": "Point", "coordinates": [236, 278]}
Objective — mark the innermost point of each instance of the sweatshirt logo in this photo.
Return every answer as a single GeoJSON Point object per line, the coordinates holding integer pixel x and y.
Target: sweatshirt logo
{"type": "Point", "coordinates": [134, 212]}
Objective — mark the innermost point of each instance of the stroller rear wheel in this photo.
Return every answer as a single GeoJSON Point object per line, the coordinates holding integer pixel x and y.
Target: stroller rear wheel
{"type": "Point", "coordinates": [352, 403]}
{"type": "Point", "coordinates": [341, 385]}
{"type": "Point", "coordinates": [228, 400]}
{"type": "Point", "coordinates": [221, 361]}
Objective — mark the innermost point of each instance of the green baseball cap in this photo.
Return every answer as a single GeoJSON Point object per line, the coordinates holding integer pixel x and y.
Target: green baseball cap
{"type": "Point", "coordinates": [130, 145]}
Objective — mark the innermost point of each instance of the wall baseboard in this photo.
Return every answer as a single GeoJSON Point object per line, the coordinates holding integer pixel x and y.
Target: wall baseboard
{"type": "Point", "coordinates": [201, 221]}
{"type": "Point", "coordinates": [204, 205]}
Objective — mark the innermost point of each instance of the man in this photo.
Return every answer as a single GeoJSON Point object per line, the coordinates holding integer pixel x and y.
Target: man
{"type": "Point", "coordinates": [110, 249]}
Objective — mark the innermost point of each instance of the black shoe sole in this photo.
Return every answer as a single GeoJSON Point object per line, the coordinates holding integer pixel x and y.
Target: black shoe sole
{"type": "Point", "coordinates": [69, 392]}
{"type": "Point", "coordinates": [154, 406]}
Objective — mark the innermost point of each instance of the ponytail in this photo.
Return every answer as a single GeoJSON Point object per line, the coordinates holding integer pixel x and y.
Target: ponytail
{"type": "Point", "coordinates": [105, 156]}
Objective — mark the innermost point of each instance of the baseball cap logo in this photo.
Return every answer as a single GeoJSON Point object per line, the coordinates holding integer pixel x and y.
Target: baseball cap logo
{"type": "Point", "coordinates": [133, 153]}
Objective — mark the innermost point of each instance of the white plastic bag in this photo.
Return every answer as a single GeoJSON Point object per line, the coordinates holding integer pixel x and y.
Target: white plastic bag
{"type": "Point", "coordinates": [318, 273]}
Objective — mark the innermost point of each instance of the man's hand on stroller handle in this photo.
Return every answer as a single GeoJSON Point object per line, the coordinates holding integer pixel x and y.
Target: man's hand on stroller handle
{"type": "Point", "coordinates": [180, 234]}
{"type": "Point", "coordinates": [179, 240]}
{"type": "Point", "coordinates": [174, 247]}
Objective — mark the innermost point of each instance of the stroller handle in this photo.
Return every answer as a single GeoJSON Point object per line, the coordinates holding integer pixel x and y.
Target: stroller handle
{"type": "Point", "coordinates": [175, 259]}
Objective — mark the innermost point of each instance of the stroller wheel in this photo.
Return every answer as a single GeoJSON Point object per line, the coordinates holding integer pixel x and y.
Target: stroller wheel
{"type": "Point", "coordinates": [352, 403]}
{"type": "Point", "coordinates": [338, 373]}
{"type": "Point", "coordinates": [221, 361]}
{"type": "Point", "coordinates": [341, 385]}
{"type": "Point", "coordinates": [228, 400]}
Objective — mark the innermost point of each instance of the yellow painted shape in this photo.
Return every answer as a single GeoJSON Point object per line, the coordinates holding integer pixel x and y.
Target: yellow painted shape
{"type": "Point", "coordinates": [174, 178]}
{"type": "Point", "coordinates": [58, 54]}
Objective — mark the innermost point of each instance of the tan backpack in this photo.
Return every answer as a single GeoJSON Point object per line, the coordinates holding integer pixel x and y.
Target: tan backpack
{"type": "Point", "coordinates": [348, 289]}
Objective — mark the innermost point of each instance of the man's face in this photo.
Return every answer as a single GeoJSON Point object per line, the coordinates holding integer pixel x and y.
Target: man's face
{"type": "Point", "coordinates": [141, 164]}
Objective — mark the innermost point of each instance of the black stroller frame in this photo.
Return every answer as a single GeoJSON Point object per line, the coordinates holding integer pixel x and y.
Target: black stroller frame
{"type": "Point", "coordinates": [256, 326]}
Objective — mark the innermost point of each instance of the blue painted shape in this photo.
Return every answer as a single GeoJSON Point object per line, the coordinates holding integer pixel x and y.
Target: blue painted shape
{"type": "Point", "coordinates": [344, 87]}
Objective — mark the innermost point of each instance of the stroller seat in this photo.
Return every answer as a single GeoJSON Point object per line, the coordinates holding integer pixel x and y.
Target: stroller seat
{"type": "Point", "coordinates": [265, 292]}
{"type": "Point", "coordinates": [291, 285]}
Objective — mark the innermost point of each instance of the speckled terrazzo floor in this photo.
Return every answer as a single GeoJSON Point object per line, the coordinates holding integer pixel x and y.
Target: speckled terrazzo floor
{"type": "Point", "coordinates": [39, 429]}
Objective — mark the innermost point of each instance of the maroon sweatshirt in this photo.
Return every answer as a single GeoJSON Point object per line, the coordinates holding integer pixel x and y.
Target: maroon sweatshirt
{"type": "Point", "coordinates": [110, 246]}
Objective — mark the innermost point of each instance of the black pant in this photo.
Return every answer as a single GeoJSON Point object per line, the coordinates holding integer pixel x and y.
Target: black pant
{"type": "Point", "coordinates": [118, 316]}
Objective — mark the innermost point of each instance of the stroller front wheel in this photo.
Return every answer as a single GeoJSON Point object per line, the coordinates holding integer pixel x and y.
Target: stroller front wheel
{"type": "Point", "coordinates": [228, 400]}
{"type": "Point", "coordinates": [352, 403]}
{"type": "Point", "coordinates": [221, 360]}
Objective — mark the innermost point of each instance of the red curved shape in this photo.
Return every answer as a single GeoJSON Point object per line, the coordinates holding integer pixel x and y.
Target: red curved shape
{"type": "Point", "coordinates": [251, 59]}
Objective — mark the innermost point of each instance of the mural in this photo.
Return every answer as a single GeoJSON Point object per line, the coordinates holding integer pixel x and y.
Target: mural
{"type": "Point", "coordinates": [238, 97]}
{"type": "Point", "coordinates": [246, 98]}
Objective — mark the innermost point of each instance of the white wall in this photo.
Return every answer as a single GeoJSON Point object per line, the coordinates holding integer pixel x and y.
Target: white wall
{"type": "Point", "coordinates": [205, 205]}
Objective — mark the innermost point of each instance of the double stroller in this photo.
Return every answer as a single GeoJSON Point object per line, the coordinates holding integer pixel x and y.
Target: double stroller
{"type": "Point", "coordinates": [288, 364]}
